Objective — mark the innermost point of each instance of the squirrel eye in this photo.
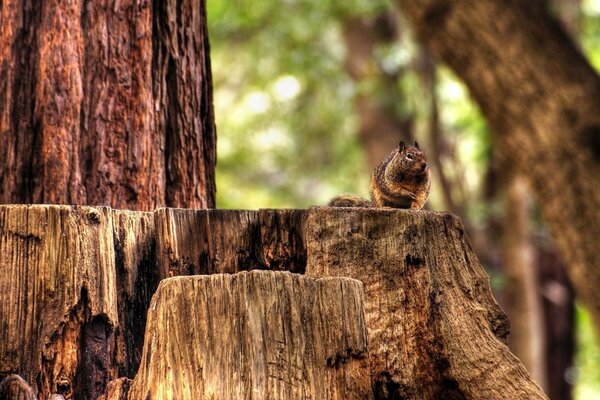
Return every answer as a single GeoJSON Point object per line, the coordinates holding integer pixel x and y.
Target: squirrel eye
{"type": "Point", "coordinates": [410, 156]}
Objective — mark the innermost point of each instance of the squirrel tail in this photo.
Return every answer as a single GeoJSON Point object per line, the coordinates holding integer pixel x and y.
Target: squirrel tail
{"type": "Point", "coordinates": [349, 200]}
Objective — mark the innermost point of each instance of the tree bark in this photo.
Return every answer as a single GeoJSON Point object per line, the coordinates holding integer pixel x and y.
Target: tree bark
{"type": "Point", "coordinates": [542, 99]}
{"type": "Point", "coordinates": [435, 330]}
{"type": "Point", "coordinates": [255, 335]}
{"type": "Point", "coordinates": [106, 104]}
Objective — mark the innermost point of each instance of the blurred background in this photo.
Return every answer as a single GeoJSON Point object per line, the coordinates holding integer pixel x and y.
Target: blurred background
{"type": "Point", "coordinates": [311, 95]}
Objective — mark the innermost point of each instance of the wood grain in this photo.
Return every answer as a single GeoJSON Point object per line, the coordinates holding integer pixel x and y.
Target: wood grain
{"type": "Point", "coordinates": [76, 285]}
{"type": "Point", "coordinates": [435, 330]}
{"type": "Point", "coordinates": [255, 335]}
{"type": "Point", "coordinates": [228, 241]}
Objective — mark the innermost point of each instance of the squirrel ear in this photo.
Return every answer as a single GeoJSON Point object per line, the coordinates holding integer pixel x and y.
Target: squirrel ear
{"type": "Point", "coordinates": [416, 144]}
{"type": "Point", "coordinates": [401, 146]}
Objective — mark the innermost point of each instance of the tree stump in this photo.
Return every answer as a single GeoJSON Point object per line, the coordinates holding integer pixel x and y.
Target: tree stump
{"type": "Point", "coordinates": [255, 335]}
{"type": "Point", "coordinates": [77, 283]}
{"type": "Point", "coordinates": [435, 331]}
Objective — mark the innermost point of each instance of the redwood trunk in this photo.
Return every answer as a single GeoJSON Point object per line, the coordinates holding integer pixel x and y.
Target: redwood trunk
{"type": "Point", "coordinates": [106, 103]}
{"type": "Point", "coordinates": [542, 99]}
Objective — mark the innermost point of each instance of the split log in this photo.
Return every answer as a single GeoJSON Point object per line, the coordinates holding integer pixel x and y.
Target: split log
{"type": "Point", "coordinates": [435, 330]}
{"type": "Point", "coordinates": [255, 335]}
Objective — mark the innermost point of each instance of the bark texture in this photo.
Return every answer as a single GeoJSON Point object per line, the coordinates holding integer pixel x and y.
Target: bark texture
{"type": "Point", "coordinates": [255, 335]}
{"type": "Point", "coordinates": [106, 103]}
{"type": "Point", "coordinates": [435, 330]}
{"type": "Point", "coordinates": [76, 287]}
{"type": "Point", "coordinates": [542, 99]}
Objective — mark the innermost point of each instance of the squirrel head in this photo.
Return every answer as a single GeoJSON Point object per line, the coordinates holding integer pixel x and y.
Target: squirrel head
{"type": "Point", "coordinates": [407, 162]}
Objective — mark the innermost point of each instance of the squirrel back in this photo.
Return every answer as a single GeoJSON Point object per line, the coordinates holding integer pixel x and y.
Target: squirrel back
{"type": "Point", "coordinates": [402, 180]}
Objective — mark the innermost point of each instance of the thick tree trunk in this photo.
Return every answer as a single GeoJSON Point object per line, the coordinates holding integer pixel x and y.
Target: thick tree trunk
{"type": "Point", "coordinates": [106, 104]}
{"type": "Point", "coordinates": [255, 335]}
{"type": "Point", "coordinates": [435, 331]}
{"type": "Point", "coordinates": [542, 99]}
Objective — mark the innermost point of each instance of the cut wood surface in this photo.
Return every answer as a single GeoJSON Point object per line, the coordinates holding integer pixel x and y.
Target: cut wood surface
{"type": "Point", "coordinates": [58, 283]}
{"type": "Point", "coordinates": [13, 387]}
{"type": "Point", "coordinates": [435, 330]}
{"type": "Point", "coordinates": [255, 335]}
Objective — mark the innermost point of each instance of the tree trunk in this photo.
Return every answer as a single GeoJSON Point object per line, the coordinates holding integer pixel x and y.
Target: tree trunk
{"type": "Point", "coordinates": [381, 126]}
{"type": "Point", "coordinates": [257, 335]}
{"type": "Point", "coordinates": [435, 331]}
{"type": "Point", "coordinates": [106, 104]}
{"type": "Point", "coordinates": [542, 99]}
{"type": "Point", "coordinates": [525, 308]}
{"type": "Point", "coordinates": [559, 309]}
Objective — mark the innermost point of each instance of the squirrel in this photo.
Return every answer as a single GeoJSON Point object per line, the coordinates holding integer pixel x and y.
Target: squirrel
{"type": "Point", "coordinates": [402, 180]}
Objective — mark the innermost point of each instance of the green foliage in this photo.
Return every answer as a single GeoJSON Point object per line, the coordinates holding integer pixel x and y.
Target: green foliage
{"type": "Point", "coordinates": [590, 31]}
{"type": "Point", "coordinates": [586, 374]}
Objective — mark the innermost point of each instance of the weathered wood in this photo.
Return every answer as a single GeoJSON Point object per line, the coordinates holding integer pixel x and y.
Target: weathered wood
{"type": "Point", "coordinates": [117, 389]}
{"type": "Point", "coordinates": [13, 387]}
{"type": "Point", "coordinates": [76, 285]}
{"type": "Point", "coordinates": [58, 288]}
{"type": "Point", "coordinates": [255, 335]}
{"type": "Point", "coordinates": [79, 279]}
{"type": "Point", "coordinates": [228, 241]}
{"type": "Point", "coordinates": [435, 330]}
{"type": "Point", "coordinates": [137, 279]}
